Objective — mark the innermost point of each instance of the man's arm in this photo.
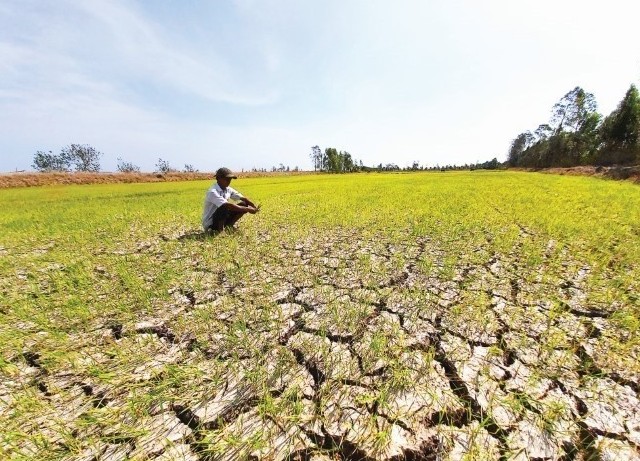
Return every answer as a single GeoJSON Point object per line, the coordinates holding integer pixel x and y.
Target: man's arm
{"type": "Point", "coordinates": [245, 208]}
{"type": "Point", "coordinates": [235, 195]}
{"type": "Point", "coordinates": [247, 202]}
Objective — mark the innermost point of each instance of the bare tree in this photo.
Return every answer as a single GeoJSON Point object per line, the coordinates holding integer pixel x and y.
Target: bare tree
{"type": "Point", "coordinates": [163, 166]}
{"type": "Point", "coordinates": [127, 167]}
{"type": "Point", "coordinates": [82, 156]}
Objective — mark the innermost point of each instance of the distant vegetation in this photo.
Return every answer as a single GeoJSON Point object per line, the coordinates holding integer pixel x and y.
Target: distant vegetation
{"type": "Point", "coordinates": [127, 167]}
{"type": "Point", "coordinates": [80, 157]}
{"type": "Point", "coordinates": [334, 161]}
{"type": "Point", "coordinates": [578, 135]}
{"type": "Point", "coordinates": [163, 167]}
{"type": "Point", "coordinates": [575, 135]}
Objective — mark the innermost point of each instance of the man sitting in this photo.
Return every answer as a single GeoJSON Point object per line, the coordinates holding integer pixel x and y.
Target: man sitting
{"type": "Point", "coordinates": [219, 213]}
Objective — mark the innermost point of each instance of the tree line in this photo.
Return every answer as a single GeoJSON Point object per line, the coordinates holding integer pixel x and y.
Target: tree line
{"type": "Point", "coordinates": [577, 134]}
{"type": "Point", "coordinates": [83, 157]}
{"type": "Point", "coordinates": [333, 161]}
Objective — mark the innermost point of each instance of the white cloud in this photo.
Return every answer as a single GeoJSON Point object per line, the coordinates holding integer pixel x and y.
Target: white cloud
{"type": "Point", "coordinates": [141, 44]}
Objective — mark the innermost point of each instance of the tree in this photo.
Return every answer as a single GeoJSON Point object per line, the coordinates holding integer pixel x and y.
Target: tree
{"type": "Point", "coordinates": [543, 132]}
{"type": "Point", "coordinates": [347, 162]}
{"type": "Point", "coordinates": [127, 167]}
{"type": "Point", "coordinates": [492, 164]}
{"type": "Point", "coordinates": [620, 131]}
{"type": "Point", "coordinates": [82, 156]}
{"type": "Point", "coordinates": [45, 162]}
{"type": "Point", "coordinates": [587, 140]}
{"type": "Point", "coordinates": [518, 146]}
{"type": "Point", "coordinates": [332, 162]}
{"type": "Point", "coordinates": [188, 168]}
{"type": "Point", "coordinates": [163, 166]}
{"type": "Point", "coordinates": [572, 111]}
{"type": "Point", "coordinates": [571, 138]}
{"type": "Point", "coordinates": [316, 158]}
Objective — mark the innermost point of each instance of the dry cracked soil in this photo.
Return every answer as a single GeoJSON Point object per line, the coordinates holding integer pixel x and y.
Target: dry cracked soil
{"type": "Point", "coordinates": [343, 347]}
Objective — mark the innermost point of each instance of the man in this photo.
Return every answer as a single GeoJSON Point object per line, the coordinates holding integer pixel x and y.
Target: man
{"type": "Point", "coordinates": [219, 213]}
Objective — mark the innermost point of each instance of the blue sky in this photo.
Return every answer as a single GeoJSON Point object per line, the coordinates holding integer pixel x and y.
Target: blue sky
{"type": "Point", "coordinates": [256, 83]}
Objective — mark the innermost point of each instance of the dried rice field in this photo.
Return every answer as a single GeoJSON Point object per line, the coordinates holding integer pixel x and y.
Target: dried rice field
{"type": "Point", "coordinates": [434, 316]}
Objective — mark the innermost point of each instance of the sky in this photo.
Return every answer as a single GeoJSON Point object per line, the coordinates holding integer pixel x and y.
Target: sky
{"type": "Point", "coordinates": [256, 83]}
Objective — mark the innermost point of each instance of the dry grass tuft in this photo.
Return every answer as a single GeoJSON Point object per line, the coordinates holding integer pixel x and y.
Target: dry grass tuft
{"type": "Point", "coordinates": [9, 180]}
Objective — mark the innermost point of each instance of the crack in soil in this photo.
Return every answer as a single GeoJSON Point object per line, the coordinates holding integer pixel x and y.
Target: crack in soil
{"type": "Point", "coordinates": [460, 389]}
{"type": "Point", "coordinates": [318, 376]}
{"type": "Point", "coordinates": [590, 314]}
{"type": "Point", "coordinates": [98, 399]}
{"type": "Point", "coordinates": [329, 274]}
{"type": "Point", "coordinates": [161, 331]}
{"type": "Point", "coordinates": [116, 330]}
{"type": "Point", "coordinates": [33, 360]}
{"type": "Point", "coordinates": [342, 448]}
{"type": "Point", "coordinates": [588, 368]}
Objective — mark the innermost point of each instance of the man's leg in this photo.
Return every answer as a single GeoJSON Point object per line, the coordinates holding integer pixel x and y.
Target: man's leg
{"type": "Point", "coordinates": [233, 218]}
{"type": "Point", "coordinates": [224, 217]}
{"type": "Point", "coordinates": [219, 218]}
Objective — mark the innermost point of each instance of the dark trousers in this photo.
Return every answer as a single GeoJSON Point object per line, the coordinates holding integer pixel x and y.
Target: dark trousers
{"type": "Point", "coordinates": [225, 217]}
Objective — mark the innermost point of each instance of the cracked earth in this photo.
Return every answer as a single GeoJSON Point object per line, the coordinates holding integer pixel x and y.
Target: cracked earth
{"type": "Point", "coordinates": [344, 346]}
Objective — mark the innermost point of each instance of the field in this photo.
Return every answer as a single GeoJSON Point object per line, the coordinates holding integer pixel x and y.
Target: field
{"type": "Point", "coordinates": [437, 316]}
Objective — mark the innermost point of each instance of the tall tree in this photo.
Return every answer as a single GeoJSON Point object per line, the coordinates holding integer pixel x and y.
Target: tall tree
{"type": "Point", "coordinates": [518, 146]}
{"type": "Point", "coordinates": [587, 140]}
{"type": "Point", "coordinates": [572, 111]}
{"type": "Point", "coordinates": [575, 125]}
{"type": "Point", "coordinates": [543, 132]}
{"type": "Point", "coordinates": [316, 158]}
{"type": "Point", "coordinates": [347, 162]}
{"type": "Point", "coordinates": [331, 155]}
{"type": "Point", "coordinates": [620, 131]}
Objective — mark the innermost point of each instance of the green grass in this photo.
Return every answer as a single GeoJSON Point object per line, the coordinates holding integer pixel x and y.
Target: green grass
{"type": "Point", "coordinates": [516, 262]}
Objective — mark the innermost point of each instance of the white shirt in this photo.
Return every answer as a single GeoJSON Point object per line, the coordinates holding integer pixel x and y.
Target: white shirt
{"type": "Point", "coordinates": [214, 199]}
